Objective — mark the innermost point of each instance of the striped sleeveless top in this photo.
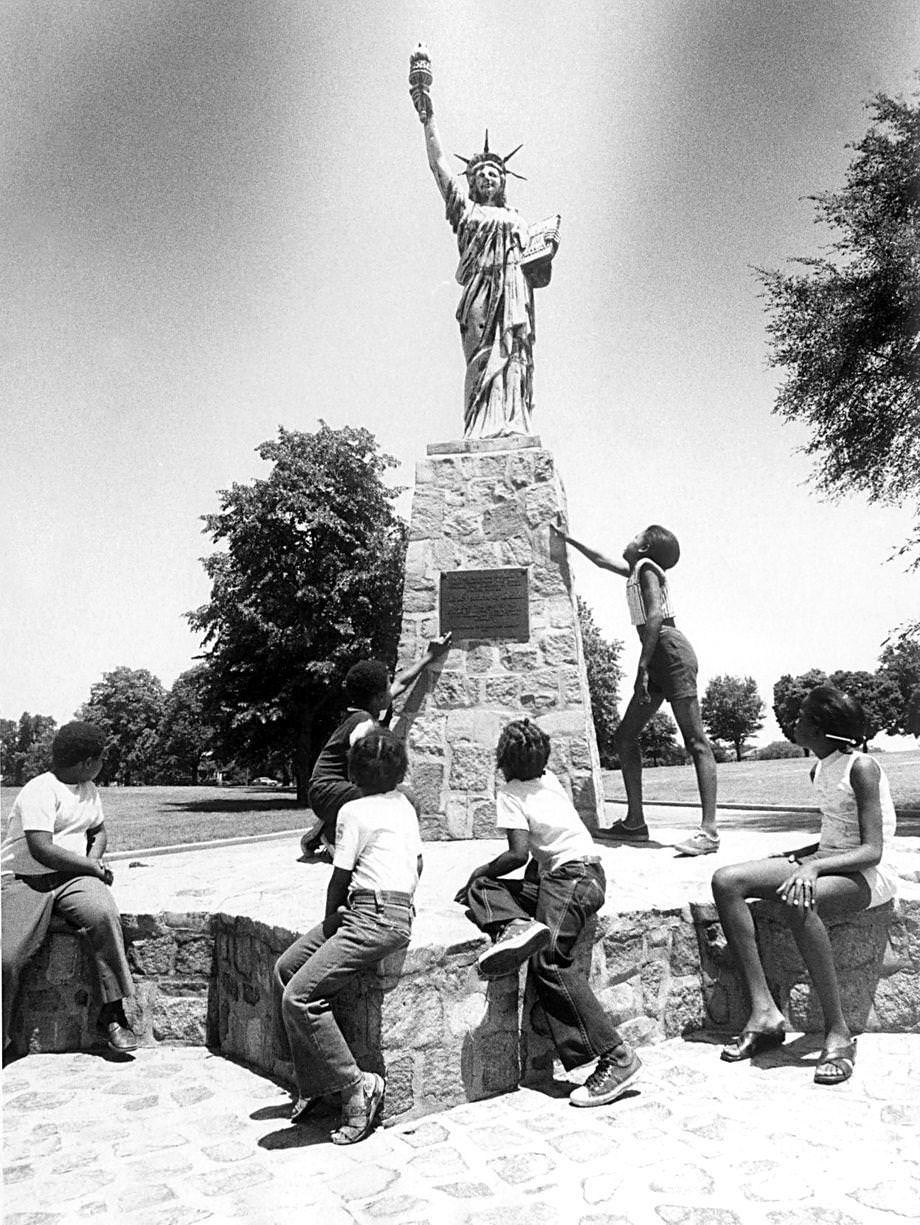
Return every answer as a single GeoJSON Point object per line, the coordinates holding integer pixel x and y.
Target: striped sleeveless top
{"type": "Point", "coordinates": [634, 601]}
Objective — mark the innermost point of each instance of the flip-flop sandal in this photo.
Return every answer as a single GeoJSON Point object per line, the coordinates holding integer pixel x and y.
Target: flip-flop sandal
{"type": "Point", "coordinates": [359, 1126]}
{"type": "Point", "coordinates": [752, 1042]}
{"type": "Point", "coordinates": [840, 1060]}
{"type": "Point", "coordinates": [620, 832]}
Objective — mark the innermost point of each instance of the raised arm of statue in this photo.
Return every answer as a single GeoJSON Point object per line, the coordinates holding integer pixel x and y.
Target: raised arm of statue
{"type": "Point", "coordinates": [437, 158]}
{"type": "Point", "coordinates": [420, 79]}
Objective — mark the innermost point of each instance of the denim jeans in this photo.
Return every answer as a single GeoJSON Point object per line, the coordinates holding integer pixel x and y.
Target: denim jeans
{"type": "Point", "coordinates": [315, 969]}
{"type": "Point", "coordinates": [564, 900]}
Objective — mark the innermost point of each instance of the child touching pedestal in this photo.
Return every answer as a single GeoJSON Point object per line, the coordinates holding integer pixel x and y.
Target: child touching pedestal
{"type": "Point", "coordinates": [52, 864]}
{"type": "Point", "coordinates": [541, 917]}
{"type": "Point", "coordinates": [377, 864]}
{"type": "Point", "coordinates": [667, 670]}
{"type": "Point", "coordinates": [842, 873]}
{"type": "Point", "coordinates": [370, 693]}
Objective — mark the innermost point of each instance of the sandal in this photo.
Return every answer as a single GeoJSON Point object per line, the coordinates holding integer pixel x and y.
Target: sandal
{"type": "Point", "coordinates": [752, 1042]}
{"type": "Point", "coordinates": [622, 832]}
{"type": "Point", "coordinates": [355, 1127]}
{"type": "Point", "coordinates": [836, 1064]}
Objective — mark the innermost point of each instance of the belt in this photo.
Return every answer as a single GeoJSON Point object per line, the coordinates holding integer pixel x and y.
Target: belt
{"type": "Point", "coordinates": [595, 859]}
{"type": "Point", "coordinates": [383, 897]}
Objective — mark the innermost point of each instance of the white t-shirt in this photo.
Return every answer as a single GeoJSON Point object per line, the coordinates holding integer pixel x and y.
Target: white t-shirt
{"type": "Point", "coordinates": [540, 805]}
{"type": "Point", "coordinates": [377, 839]}
{"type": "Point", "coordinates": [64, 810]}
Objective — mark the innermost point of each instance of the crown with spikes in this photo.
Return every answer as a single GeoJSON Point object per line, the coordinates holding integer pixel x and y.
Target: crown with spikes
{"type": "Point", "coordinates": [487, 156]}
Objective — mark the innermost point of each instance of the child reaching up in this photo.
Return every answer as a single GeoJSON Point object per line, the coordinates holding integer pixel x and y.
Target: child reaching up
{"type": "Point", "coordinates": [542, 916]}
{"type": "Point", "coordinates": [377, 864]}
{"type": "Point", "coordinates": [842, 873]}
{"type": "Point", "coordinates": [667, 670]}
{"type": "Point", "coordinates": [370, 692]}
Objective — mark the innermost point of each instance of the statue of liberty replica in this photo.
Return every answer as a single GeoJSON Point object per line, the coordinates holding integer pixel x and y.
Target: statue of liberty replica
{"type": "Point", "coordinates": [502, 261]}
{"type": "Point", "coordinates": [480, 562]}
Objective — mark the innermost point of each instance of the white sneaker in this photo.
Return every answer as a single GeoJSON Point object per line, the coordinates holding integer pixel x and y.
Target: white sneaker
{"type": "Point", "coordinates": [518, 941]}
{"type": "Point", "coordinates": [609, 1080]}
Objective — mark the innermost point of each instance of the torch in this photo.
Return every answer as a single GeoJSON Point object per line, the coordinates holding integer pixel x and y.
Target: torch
{"type": "Point", "coordinates": [420, 79]}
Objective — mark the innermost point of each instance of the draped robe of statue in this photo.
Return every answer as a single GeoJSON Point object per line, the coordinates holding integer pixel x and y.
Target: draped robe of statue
{"type": "Point", "coordinates": [495, 314]}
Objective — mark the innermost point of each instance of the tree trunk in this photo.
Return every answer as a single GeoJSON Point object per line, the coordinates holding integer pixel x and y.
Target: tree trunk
{"type": "Point", "coordinates": [303, 755]}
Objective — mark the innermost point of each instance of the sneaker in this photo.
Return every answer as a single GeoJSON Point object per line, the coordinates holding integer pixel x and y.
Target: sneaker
{"type": "Point", "coordinates": [515, 944]}
{"type": "Point", "coordinates": [614, 1074]}
{"type": "Point", "coordinates": [700, 844]}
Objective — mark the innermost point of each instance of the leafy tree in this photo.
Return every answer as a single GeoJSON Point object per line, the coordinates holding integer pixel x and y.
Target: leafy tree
{"type": "Point", "coordinates": [602, 662]}
{"type": "Point", "coordinates": [847, 329]}
{"type": "Point", "coordinates": [878, 696]}
{"type": "Point", "coordinates": [900, 663]}
{"type": "Point", "coordinates": [658, 742]}
{"type": "Point", "coordinates": [185, 733]}
{"type": "Point", "coordinates": [732, 710]}
{"type": "Point", "coordinates": [310, 580]}
{"type": "Point", "coordinates": [128, 704]}
{"type": "Point", "coordinates": [789, 693]}
{"type": "Point", "coordinates": [26, 747]}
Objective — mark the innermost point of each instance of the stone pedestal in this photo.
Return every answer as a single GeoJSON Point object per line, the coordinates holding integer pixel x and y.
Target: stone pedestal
{"type": "Point", "coordinates": [482, 505]}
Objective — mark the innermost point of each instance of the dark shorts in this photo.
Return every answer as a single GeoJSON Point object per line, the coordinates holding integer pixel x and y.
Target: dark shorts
{"type": "Point", "coordinates": [673, 667]}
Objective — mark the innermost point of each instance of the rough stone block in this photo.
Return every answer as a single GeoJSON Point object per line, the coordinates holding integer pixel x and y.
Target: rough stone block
{"type": "Point", "coordinates": [427, 780]}
{"type": "Point", "coordinates": [427, 736]}
{"type": "Point", "coordinates": [471, 767]}
{"type": "Point", "coordinates": [152, 956]}
{"type": "Point", "coordinates": [501, 691]}
{"type": "Point", "coordinates": [503, 521]}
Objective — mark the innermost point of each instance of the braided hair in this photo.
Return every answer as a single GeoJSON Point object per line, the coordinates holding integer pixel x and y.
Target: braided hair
{"type": "Point", "coordinates": [377, 762]}
{"type": "Point", "coordinates": [836, 714]}
{"type": "Point", "coordinates": [523, 750]}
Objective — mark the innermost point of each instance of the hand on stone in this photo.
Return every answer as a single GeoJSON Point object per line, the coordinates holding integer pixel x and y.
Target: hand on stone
{"type": "Point", "coordinates": [439, 646]}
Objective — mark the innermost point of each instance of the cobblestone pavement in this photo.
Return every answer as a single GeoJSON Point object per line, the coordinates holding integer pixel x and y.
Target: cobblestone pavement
{"type": "Point", "coordinates": [176, 1135]}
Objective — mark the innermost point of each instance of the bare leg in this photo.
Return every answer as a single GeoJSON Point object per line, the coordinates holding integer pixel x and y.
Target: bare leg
{"type": "Point", "coordinates": [626, 742]}
{"type": "Point", "coordinates": [690, 722]}
{"type": "Point", "coordinates": [833, 895]}
{"type": "Point", "coordinates": [731, 887]}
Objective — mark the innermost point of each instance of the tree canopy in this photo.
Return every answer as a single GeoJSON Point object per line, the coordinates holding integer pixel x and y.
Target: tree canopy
{"type": "Point", "coordinates": [847, 329]}
{"type": "Point", "coordinates": [308, 582]}
{"type": "Point", "coordinates": [658, 742]}
{"type": "Point", "coordinates": [185, 732]}
{"type": "Point", "coordinates": [602, 663]}
{"type": "Point", "coordinates": [900, 663]}
{"type": "Point", "coordinates": [25, 747]}
{"type": "Point", "coordinates": [128, 703]}
{"type": "Point", "coordinates": [732, 710]}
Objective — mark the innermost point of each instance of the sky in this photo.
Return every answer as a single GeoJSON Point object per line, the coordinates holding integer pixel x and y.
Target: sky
{"type": "Point", "coordinates": [223, 222]}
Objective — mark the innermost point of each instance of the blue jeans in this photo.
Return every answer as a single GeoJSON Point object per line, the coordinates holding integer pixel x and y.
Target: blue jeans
{"type": "Point", "coordinates": [564, 900]}
{"type": "Point", "coordinates": [312, 972]}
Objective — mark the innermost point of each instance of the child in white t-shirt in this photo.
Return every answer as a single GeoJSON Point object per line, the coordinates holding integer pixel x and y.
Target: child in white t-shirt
{"type": "Point", "coordinates": [541, 917]}
{"type": "Point", "coordinates": [52, 864]}
{"type": "Point", "coordinates": [377, 864]}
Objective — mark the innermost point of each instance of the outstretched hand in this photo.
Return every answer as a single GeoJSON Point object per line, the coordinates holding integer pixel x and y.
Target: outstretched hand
{"type": "Point", "coordinates": [439, 646]}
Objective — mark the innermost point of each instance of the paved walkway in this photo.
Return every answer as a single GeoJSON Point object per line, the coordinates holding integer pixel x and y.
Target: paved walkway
{"type": "Point", "coordinates": [176, 1136]}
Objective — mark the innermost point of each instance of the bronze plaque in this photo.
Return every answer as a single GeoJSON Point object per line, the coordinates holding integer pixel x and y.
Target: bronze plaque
{"type": "Point", "coordinates": [486, 604]}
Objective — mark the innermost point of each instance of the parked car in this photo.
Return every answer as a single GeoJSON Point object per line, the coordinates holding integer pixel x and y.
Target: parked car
{"type": "Point", "coordinates": [265, 782]}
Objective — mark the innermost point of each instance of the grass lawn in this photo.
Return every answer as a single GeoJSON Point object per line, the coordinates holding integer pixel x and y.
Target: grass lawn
{"type": "Point", "coordinates": [140, 817]}
{"type": "Point", "coordinates": [775, 783]}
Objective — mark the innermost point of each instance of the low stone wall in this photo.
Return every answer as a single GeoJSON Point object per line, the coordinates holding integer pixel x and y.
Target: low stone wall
{"type": "Point", "coordinates": [444, 1035]}
{"type": "Point", "coordinates": [877, 955]}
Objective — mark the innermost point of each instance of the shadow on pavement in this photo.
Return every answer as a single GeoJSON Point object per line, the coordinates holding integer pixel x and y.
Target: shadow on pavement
{"type": "Point", "coordinates": [297, 1137]}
